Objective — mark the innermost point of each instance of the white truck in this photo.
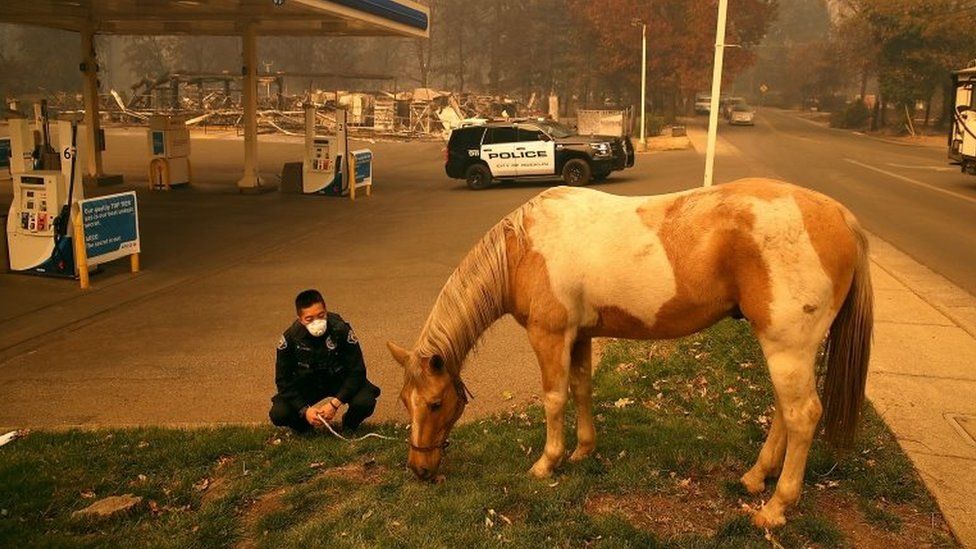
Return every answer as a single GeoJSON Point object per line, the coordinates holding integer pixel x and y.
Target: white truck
{"type": "Point", "coordinates": [962, 133]}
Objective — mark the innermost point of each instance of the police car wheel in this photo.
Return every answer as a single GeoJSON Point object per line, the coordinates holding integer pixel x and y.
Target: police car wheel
{"type": "Point", "coordinates": [576, 172]}
{"type": "Point", "coordinates": [477, 176]}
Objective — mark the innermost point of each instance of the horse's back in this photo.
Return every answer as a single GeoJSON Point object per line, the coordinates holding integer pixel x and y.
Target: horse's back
{"type": "Point", "coordinates": [668, 265]}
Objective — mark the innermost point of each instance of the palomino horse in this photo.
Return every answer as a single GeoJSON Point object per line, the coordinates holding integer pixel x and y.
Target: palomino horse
{"type": "Point", "coordinates": [573, 264]}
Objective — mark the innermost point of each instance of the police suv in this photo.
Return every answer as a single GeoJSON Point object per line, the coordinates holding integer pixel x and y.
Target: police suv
{"type": "Point", "coordinates": [533, 149]}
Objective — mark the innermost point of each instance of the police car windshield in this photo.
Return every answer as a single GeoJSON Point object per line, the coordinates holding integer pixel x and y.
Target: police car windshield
{"type": "Point", "coordinates": [555, 129]}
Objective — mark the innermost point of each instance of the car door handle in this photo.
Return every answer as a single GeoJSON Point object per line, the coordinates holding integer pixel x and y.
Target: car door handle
{"type": "Point", "coordinates": [520, 148]}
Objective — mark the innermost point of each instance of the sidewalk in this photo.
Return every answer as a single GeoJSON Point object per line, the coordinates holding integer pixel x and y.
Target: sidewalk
{"type": "Point", "coordinates": [923, 378]}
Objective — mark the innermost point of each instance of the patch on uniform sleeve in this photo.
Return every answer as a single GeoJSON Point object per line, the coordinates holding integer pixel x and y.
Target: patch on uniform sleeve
{"type": "Point", "coordinates": [351, 338]}
{"type": "Point", "coordinates": [282, 343]}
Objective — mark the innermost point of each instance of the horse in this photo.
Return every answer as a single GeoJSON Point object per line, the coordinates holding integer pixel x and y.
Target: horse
{"type": "Point", "coordinates": [573, 263]}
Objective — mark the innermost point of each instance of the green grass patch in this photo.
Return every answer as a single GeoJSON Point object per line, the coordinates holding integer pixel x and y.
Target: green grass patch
{"type": "Point", "coordinates": [678, 422]}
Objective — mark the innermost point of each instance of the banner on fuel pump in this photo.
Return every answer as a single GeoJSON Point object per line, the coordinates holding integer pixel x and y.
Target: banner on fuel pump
{"type": "Point", "coordinates": [111, 225]}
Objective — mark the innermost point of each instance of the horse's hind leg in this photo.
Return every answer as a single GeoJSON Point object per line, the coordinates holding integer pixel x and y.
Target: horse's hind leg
{"type": "Point", "coordinates": [581, 384]}
{"type": "Point", "coordinates": [770, 460]}
{"type": "Point", "coordinates": [553, 351]}
{"type": "Point", "coordinates": [792, 371]}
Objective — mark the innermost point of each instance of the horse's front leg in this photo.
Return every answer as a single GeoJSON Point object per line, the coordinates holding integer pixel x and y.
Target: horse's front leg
{"type": "Point", "coordinates": [553, 352]}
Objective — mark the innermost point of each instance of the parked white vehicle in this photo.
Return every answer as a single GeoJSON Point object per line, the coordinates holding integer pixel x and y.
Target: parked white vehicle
{"type": "Point", "coordinates": [962, 134]}
{"type": "Point", "coordinates": [703, 103]}
{"type": "Point", "coordinates": [742, 114]}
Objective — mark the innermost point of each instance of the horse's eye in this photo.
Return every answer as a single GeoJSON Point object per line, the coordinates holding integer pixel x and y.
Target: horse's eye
{"type": "Point", "coordinates": [434, 406]}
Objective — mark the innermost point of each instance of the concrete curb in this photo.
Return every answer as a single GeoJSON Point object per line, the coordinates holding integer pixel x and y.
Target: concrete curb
{"type": "Point", "coordinates": [923, 378]}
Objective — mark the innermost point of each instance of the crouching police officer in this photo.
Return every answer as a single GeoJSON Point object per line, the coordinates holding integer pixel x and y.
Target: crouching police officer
{"type": "Point", "coordinates": [320, 369]}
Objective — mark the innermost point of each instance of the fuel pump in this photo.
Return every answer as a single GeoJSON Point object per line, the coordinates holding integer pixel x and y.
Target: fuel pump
{"type": "Point", "coordinates": [325, 157]}
{"type": "Point", "coordinates": [38, 236]}
{"type": "Point", "coordinates": [169, 151]}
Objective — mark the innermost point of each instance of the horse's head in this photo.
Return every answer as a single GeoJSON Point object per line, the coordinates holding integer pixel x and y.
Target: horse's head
{"type": "Point", "coordinates": [435, 398]}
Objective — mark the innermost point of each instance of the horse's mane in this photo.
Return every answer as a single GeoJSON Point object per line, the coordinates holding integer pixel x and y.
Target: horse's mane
{"type": "Point", "coordinates": [473, 298]}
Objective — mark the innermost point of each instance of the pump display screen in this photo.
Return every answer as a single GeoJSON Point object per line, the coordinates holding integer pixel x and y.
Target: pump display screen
{"type": "Point", "coordinates": [321, 159]}
{"type": "Point", "coordinates": [34, 215]}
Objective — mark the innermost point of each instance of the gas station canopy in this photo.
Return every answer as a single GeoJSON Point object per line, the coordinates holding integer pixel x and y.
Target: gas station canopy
{"type": "Point", "coordinates": [245, 18]}
{"type": "Point", "coordinates": [224, 17]}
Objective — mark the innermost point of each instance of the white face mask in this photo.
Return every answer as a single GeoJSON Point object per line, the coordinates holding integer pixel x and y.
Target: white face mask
{"type": "Point", "coordinates": [317, 327]}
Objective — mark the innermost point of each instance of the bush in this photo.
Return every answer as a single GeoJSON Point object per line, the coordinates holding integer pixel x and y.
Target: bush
{"type": "Point", "coordinates": [655, 125]}
{"type": "Point", "coordinates": [853, 116]}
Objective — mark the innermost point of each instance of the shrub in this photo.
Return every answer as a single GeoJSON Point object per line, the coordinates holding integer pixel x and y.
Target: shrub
{"type": "Point", "coordinates": [854, 115]}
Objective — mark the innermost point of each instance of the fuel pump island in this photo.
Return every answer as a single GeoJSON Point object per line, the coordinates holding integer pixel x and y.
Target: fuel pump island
{"type": "Point", "coordinates": [47, 183]}
{"type": "Point", "coordinates": [52, 230]}
{"type": "Point", "coordinates": [327, 157]}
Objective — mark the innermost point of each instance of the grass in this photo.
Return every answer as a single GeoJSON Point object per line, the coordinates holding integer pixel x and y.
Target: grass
{"type": "Point", "coordinates": [678, 423]}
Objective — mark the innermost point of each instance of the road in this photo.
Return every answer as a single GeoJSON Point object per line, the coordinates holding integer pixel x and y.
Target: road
{"type": "Point", "coordinates": [190, 339]}
{"type": "Point", "coordinates": [907, 195]}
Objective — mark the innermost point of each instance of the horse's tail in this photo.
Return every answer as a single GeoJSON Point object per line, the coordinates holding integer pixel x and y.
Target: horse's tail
{"type": "Point", "coordinates": [849, 350]}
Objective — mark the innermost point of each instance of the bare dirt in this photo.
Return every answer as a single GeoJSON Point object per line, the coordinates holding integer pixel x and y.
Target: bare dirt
{"type": "Point", "coordinates": [364, 473]}
{"type": "Point", "coordinates": [692, 508]}
{"type": "Point", "coordinates": [917, 529]}
{"type": "Point", "coordinates": [216, 487]}
{"type": "Point", "coordinates": [689, 508]}
{"type": "Point", "coordinates": [271, 502]}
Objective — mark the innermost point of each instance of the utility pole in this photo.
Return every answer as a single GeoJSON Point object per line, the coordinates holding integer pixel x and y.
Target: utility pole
{"type": "Point", "coordinates": [723, 6]}
{"type": "Point", "coordinates": [643, 133]}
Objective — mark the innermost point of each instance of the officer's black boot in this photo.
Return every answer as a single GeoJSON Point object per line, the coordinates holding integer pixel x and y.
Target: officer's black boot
{"type": "Point", "coordinates": [283, 414]}
{"type": "Point", "coordinates": [360, 407]}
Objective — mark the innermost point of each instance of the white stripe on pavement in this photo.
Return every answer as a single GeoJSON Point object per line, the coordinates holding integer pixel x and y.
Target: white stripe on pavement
{"type": "Point", "coordinates": [917, 167]}
{"type": "Point", "coordinates": [913, 181]}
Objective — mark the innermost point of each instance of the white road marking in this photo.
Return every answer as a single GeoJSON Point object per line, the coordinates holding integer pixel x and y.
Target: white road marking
{"type": "Point", "coordinates": [913, 181]}
{"type": "Point", "coordinates": [917, 167]}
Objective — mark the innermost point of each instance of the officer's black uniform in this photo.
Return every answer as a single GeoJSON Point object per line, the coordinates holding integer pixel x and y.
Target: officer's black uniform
{"type": "Point", "coordinates": [309, 368]}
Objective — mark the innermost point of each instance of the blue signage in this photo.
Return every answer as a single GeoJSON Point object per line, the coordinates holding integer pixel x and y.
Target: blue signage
{"type": "Point", "coordinates": [111, 226]}
{"type": "Point", "coordinates": [391, 10]}
{"type": "Point", "coordinates": [364, 165]}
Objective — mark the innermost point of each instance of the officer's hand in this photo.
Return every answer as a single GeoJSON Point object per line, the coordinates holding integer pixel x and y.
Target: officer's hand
{"type": "Point", "coordinates": [310, 416]}
{"type": "Point", "coordinates": [328, 411]}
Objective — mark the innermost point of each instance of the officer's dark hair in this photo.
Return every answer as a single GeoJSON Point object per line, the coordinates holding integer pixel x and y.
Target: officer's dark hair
{"type": "Point", "coordinates": [308, 298]}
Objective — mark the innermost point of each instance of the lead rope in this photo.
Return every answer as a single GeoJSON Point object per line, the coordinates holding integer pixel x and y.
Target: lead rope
{"type": "Point", "coordinates": [357, 439]}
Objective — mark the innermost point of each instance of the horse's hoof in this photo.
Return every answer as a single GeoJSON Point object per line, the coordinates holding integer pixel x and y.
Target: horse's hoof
{"type": "Point", "coordinates": [752, 484]}
{"type": "Point", "coordinates": [580, 453]}
{"type": "Point", "coordinates": [768, 519]}
{"type": "Point", "coordinates": [541, 469]}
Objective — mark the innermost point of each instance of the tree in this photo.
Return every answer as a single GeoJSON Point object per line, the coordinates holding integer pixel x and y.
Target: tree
{"type": "Point", "coordinates": [917, 44]}
{"type": "Point", "coordinates": [681, 37]}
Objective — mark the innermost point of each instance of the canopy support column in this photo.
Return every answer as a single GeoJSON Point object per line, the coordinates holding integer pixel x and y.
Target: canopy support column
{"type": "Point", "coordinates": [251, 180]}
{"type": "Point", "coordinates": [89, 67]}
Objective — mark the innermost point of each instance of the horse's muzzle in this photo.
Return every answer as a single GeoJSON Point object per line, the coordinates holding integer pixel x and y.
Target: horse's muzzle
{"type": "Point", "coordinates": [424, 464]}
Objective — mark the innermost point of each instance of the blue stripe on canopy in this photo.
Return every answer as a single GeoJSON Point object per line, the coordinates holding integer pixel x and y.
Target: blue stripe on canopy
{"type": "Point", "coordinates": [389, 9]}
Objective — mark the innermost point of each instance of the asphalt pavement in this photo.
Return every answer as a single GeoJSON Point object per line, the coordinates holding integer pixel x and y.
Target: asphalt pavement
{"type": "Point", "coordinates": [189, 340]}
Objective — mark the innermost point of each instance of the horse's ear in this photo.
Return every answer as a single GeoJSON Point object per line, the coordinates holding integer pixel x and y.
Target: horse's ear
{"type": "Point", "coordinates": [400, 354]}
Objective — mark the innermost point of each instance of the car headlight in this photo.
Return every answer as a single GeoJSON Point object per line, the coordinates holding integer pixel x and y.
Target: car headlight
{"type": "Point", "coordinates": [600, 149]}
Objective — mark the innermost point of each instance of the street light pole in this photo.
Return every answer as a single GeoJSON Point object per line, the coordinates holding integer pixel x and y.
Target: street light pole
{"type": "Point", "coordinates": [723, 6]}
{"type": "Point", "coordinates": [643, 25]}
{"type": "Point", "coordinates": [643, 138]}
